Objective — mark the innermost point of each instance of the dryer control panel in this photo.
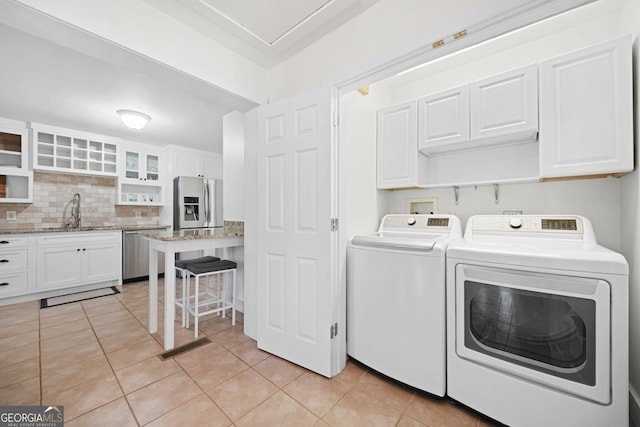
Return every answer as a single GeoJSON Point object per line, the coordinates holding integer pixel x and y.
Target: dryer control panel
{"type": "Point", "coordinates": [562, 226]}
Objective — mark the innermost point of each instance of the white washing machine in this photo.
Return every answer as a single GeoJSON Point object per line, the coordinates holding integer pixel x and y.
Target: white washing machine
{"type": "Point", "coordinates": [537, 317]}
{"type": "Point", "coordinates": [396, 298]}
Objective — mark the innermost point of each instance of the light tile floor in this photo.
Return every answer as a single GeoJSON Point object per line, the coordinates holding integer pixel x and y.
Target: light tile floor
{"type": "Point", "coordinates": [97, 359]}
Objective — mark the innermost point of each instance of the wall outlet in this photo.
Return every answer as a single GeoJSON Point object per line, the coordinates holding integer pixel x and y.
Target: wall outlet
{"type": "Point", "coordinates": [11, 215]}
{"type": "Point", "coordinates": [138, 214]}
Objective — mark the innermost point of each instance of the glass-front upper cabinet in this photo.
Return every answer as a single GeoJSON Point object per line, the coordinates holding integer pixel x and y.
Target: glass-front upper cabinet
{"type": "Point", "coordinates": [139, 182]}
{"type": "Point", "coordinates": [132, 165]}
{"type": "Point", "coordinates": [13, 146]}
{"type": "Point", "coordinates": [153, 164]}
{"type": "Point", "coordinates": [142, 166]}
{"type": "Point", "coordinates": [16, 177]}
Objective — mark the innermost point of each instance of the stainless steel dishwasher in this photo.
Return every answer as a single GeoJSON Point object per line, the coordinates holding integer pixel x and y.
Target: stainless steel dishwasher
{"type": "Point", "coordinates": [135, 255]}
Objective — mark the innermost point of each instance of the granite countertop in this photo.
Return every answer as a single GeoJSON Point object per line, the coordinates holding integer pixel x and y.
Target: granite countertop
{"type": "Point", "coordinates": [195, 234]}
{"type": "Point", "coordinates": [81, 229]}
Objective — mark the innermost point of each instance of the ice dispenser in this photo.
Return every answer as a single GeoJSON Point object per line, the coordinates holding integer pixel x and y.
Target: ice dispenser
{"type": "Point", "coordinates": [191, 209]}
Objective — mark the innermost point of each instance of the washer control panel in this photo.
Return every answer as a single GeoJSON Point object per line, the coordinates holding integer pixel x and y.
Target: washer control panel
{"type": "Point", "coordinates": [416, 221]}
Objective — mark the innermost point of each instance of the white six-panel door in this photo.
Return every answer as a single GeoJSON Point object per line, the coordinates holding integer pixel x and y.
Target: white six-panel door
{"type": "Point", "coordinates": [296, 286]}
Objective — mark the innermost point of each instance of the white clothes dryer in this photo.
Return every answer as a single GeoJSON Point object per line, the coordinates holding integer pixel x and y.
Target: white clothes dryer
{"type": "Point", "coordinates": [537, 322]}
{"type": "Point", "coordinates": [396, 298]}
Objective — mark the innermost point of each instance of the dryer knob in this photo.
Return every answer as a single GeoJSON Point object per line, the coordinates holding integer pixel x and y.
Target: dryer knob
{"type": "Point", "coordinates": [411, 221]}
{"type": "Point", "coordinates": [515, 223]}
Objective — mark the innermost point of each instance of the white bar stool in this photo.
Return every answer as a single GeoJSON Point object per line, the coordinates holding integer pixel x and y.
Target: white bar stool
{"type": "Point", "coordinates": [219, 299]}
{"type": "Point", "coordinates": [181, 266]}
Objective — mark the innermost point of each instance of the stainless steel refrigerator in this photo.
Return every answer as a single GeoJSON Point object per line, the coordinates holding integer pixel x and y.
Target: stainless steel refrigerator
{"type": "Point", "coordinates": [197, 203]}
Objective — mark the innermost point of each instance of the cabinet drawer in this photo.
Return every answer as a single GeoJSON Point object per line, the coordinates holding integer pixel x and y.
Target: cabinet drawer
{"type": "Point", "coordinates": [13, 284]}
{"type": "Point", "coordinates": [13, 260]}
{"type": "Point", "coordinates": [76, 239]}
{"type": "Point", "coordinates": [10, 242]}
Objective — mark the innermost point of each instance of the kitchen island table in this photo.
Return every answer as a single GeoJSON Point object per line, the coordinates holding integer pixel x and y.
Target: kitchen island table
{"type": "Point", "coordinates": [171, 243]}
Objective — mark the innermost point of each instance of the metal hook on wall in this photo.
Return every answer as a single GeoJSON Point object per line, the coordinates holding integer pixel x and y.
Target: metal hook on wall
{"type": "Point", "coordinates": [496, 189]}
{"type": "Point", "coordinates": [456, 194]}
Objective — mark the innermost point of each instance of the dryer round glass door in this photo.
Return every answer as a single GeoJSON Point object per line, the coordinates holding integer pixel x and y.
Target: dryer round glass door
{"type": "Point", "coordinates": [536, 325]}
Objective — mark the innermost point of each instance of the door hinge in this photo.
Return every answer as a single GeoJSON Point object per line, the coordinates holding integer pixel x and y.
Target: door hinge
{"type": "Point", "coordinates": [335, 119]}
{"type": "Point", "coordinates": [334, 330]}
{"type": "Point", "coordinates": [334, 224]}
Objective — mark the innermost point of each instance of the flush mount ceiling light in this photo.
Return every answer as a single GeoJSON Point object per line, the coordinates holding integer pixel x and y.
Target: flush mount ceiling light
{"type": "Point", "coordinates": [133, 119]}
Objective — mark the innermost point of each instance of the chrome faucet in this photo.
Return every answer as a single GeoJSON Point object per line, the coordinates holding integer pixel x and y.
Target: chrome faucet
{"type": "Point", "coordinates": [74, 221]}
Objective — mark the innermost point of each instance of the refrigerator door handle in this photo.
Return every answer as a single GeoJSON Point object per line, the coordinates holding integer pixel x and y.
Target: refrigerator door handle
{"type": "Point", "coordinates": [207, 204]}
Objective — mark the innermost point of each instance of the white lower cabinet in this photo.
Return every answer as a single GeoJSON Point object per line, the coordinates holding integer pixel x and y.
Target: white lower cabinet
{"type": "Point", "coordinates": [586, 112]}
{"type": "Point", "coordinates": [14, 265]}
{"type": "Point", "coordinates": [36, 265]}
{"type": "Point", "coordinates": [76, 259]}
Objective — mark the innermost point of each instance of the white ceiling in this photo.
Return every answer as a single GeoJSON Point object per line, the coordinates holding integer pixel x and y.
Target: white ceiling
{"type": "Point", "coordinates": [264, 31]}
{"type": "Point", "coordinates": [54, 74]}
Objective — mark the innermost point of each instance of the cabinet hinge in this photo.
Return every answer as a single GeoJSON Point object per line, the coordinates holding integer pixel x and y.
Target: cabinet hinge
{"type": "Point", "coordinates": [334, 330]}
{"type": "Point", "coordinates": [334, 224]}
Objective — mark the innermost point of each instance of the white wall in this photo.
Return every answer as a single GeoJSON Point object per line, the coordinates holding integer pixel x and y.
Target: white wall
{"type": "Point", "coordinates": [250, 223]}
{"type": "Point", "coordinates": [359, 132]}
{"type": "Point", "coordinates": [597, 199]}
{"type": "Point", "coordinates": [630, 218]}
{"type": "Point", "coordinates": [233, 171]}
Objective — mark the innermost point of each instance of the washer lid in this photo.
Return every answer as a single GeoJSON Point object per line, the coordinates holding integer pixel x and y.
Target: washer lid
{"type": "Point", "coordinates": [387, 241]}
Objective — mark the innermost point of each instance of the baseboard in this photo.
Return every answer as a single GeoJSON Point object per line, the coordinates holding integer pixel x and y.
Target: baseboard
{"type": "Point", "coordinates": [634, 406]}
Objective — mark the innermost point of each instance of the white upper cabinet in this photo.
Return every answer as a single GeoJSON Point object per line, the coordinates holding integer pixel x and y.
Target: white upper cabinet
{"type": "Point", "coordinates": [495, 110]}
{"type": "Point", "coordinates": [141, 166]}
{"type": "Point", "coordinates": [504, 108]}
{"type": "Point", "coordinates": [16, 177]}
{"type": "Point", "coordinates": [444, 120]}
{"type": "Point", "coordinates": [70, 151]}
{"type": "Point", "coordinates": [197, 163]}
{"type": "Point", "coordinates": [399, 164]}
{"type": "Point", "coordinates": [140, 172]}
{"type": "Point", "coordinates": [586, 112]}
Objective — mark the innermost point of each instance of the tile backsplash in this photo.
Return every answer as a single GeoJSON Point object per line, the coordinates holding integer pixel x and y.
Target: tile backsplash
{"type": "Point", "coordinates": [51, 207]}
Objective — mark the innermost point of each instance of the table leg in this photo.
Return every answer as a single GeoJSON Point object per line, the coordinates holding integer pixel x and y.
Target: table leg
{"type": "Point", "coordinates": [153, 291]}
{"type": "Point", "coordinates": [169, 297]}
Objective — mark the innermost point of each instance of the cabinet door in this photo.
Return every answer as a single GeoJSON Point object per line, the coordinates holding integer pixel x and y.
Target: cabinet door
{"type": "Point", "coordinates": [132, 165]}
{"type": "Point", "coordinates": [16, 180]}
{"type": "Point", "coordinates": [59, 267]}
{"type": "Point", "coordinates": [188, 164]}
{"type": "Point", "coordinates": [211, 166]}
{"type": "Point", "coordinates": [152, 167]}
{"type": "Point", "coordinates": [443, 120]}
{"type": "Point", "coordinates": [504, 108]}
{"type": "Point", "coordinates": [586, 112]}
{"type": "Point", "coordinates": [397, 146]}
{"type": "Point", "coordinates": [13, 147]}
{"type": "Point", "coordinates": [100, 263]}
